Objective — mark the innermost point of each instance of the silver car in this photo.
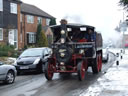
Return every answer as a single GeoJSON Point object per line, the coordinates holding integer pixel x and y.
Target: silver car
{"type": "Point", "coordinates": [105, 54]}
{"type": "Point", "coordinates": [7, 73]}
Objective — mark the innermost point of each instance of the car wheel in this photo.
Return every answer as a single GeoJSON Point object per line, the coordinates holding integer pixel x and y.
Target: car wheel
{"type": "Point", "coordinates": [10, 77]}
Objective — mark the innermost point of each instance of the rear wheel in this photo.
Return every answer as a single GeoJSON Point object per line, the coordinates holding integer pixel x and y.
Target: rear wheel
{"type": "Point", "coordinates": [10, 77]}
{"type": "Point", "coordinates": [81, 69]}
{"type": "Point", "coordinates": [97, 64]}
{"type": "Point", "coordinates": [48, 71]}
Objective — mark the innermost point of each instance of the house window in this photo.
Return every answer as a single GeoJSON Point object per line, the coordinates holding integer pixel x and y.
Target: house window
{"type": "Point", "coordinates": [1, 5]}
{"type": "Point", "coordinates": [39, 20]}
{"type": "Point", "coordinates": [1, 34]}
{"type": "Point", "coordinates": [13, 8]}
{"type": "Point", "coordinates": [30, 19]}
{"type": "Point", "coordinates": [31, 37]}
{"type": "Point", "coordinates": [47, 21]}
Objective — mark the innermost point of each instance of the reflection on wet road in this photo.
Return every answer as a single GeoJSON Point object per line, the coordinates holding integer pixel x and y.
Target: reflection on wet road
{"type": "Point", "coordinates": [61, 85]}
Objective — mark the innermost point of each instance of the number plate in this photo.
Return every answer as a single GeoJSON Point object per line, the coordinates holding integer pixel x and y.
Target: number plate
{"type": "Point", "coordinates": [24, 67]}
{"type": "Point", "coordinates": [84, 46]}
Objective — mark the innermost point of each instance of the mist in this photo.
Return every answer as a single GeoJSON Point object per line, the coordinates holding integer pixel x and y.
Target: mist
{"type": "Point", "coordinates": [114, 39]}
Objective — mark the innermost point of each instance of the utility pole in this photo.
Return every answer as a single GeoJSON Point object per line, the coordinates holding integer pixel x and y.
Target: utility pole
{"type": "Point", "coordinates": [124, 29]}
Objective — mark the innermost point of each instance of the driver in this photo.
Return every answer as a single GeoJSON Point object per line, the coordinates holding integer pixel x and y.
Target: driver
{"type": "Point", "coordinates": [91, 35]}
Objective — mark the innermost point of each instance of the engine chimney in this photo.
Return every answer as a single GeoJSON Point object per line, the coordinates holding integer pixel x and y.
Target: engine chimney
{"type": "Point", "coordinates": [63, 30]}
{"type": "Point", "coordinates": [63, 21]}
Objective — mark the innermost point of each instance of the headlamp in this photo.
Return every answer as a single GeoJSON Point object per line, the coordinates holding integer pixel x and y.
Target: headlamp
{"type": "Point", "coordinates": [62, 32]}
{"type": "Point", "coordinates": [36, 61]}
{"type": "Point", "coordinates": [62, 54]}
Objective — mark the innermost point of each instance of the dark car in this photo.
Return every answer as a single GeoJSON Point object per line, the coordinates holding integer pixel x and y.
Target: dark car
{"type": "Point", "coordinates": [32, 59]}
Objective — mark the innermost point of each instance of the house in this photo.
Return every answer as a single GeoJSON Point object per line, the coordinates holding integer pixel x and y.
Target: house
{"type": "Point", "coordinates": [31, 16]}
{"type": "Point", "coordinates": [9, 14]}
{"type": "Point", "coordinates": [48, 33]}
{"type": "Point", "coordinates": [18, 24]}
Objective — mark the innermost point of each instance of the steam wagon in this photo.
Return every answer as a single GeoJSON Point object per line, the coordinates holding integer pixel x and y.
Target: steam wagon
{"type": "Point", "coordinates": [75, 48]}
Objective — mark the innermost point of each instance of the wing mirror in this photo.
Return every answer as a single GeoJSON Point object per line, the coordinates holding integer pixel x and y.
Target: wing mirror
{"type": "Point", "coordinates": [46, 54]}
{"type": "Point", "coordinates": [1, 63]}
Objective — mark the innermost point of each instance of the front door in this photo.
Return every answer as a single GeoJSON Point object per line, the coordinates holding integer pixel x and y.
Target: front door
{"type": "Point", "coordinates": [2, 71]}
{"type": "Point", "coordinates": [13, 37]}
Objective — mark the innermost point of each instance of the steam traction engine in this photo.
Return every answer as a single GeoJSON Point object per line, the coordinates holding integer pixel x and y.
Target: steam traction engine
{"type": "Point", "coordinates": [73, 52]}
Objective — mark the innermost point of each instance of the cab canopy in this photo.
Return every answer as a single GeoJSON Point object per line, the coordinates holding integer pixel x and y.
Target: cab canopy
{"type": "Point", "coordinates": [72, 30]}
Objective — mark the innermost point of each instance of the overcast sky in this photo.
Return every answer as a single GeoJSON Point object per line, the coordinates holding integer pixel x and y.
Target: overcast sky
{"type": "Point", "coordinates": [103, 14]}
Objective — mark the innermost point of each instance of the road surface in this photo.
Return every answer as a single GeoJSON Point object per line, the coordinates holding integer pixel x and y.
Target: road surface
{"type": "Point", "coordinates": [61, 85]}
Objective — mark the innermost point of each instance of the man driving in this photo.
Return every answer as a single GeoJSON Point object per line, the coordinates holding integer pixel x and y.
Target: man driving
{"type": "Point", "coordinates": [91, 35]}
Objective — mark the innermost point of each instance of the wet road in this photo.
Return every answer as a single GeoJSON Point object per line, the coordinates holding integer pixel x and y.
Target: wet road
{"type": "Point", "coordinates": [61, 85]}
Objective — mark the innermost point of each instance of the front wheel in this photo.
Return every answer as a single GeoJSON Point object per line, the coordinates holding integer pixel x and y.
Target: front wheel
{"type": "Point", "coordinates": [97, 64]}
{"type": "Point", "coordinates": [81, 70]}
{"type": "Point", "coordinates": [48, 71]}
{"type": "Point", "coordinates": [10, 77]}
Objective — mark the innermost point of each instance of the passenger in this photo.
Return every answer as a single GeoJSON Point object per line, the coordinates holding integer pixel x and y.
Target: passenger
{"type": "Point", "coordinates": [91, 35]}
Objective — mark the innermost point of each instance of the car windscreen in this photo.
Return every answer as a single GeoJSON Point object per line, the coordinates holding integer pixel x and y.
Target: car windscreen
{"type": "Point", "coordinates": [32, 53]}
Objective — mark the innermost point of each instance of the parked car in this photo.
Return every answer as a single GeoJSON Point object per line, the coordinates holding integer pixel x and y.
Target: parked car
{"type": "Point", "coordinates": [32, 59]}
{"type": "Point", "coordinates": [7, 73]}
{"type": "Point", "coordinates": [105, 54]}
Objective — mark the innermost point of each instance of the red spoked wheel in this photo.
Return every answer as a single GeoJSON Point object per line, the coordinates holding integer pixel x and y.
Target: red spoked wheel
{"type": "Point", "coordinates": [100, 62]}
{"type": "Point", "coordinates": [81, 69]}
{"type": "Point", "coordinates": [97, 64]}
{"type": "Point", "coordinates": [48, 71]}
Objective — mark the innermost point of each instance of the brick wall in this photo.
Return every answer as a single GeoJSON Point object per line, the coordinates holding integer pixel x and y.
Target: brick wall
{"type": "Point", "coordinates": [5, 37]}
{"type": "Point", "coordinates": [19, 29]}
{"type": "Point", "coordinates": [43, 22]}
{"type": "Point", "coordinates": [31, 27]}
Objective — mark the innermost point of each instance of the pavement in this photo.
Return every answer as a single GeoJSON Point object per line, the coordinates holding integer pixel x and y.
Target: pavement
{"type": "Point", "coordinates": [113, 83]}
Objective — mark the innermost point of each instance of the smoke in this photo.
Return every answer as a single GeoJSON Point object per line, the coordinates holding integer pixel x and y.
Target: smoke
{"type": "Point", "coordinates": [110, 36]}
{"type": "Point", "coordinates": [113, 39]}
{"type": "Point", "coordinates": [74, 19]}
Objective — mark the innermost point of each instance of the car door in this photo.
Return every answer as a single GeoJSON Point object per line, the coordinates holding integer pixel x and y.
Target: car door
{"type": "Point", "coordinates": [2, 71]}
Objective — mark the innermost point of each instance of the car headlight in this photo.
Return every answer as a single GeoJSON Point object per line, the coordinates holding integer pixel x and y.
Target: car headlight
{"type": "Point", "coordinates": [36, 61]}
{"type": "Point", "coordinates": [15, 63]}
